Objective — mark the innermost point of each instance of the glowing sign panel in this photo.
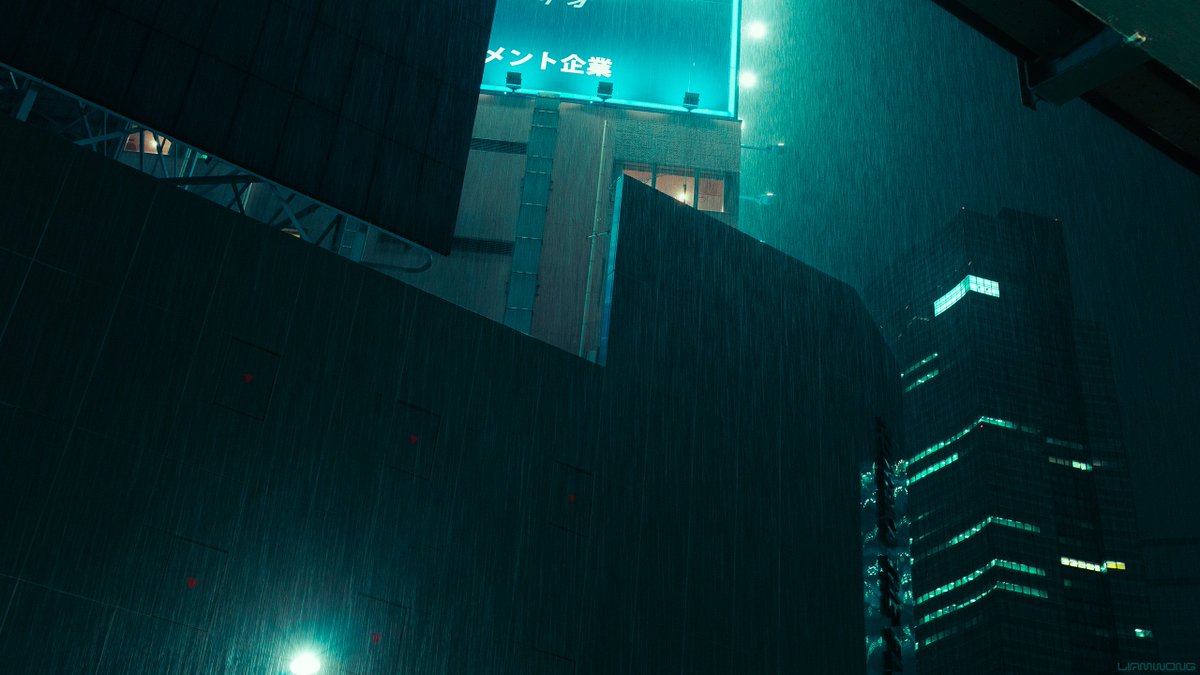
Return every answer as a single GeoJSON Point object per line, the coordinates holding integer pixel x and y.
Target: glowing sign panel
{"type": "Point", "coordinates": [651, 51]}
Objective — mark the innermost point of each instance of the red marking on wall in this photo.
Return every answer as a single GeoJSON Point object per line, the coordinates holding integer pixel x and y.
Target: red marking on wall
{"type": "Point", "coordinates": [375, 638]}
{"type": "Point", "coordinates": [247, 378]}
{"type": "Point", "coordinates": [571, 498]}
{"type": "Point", "coordinates": [192, 581]}
{"type": "Point", "coordinates": [412, 440]}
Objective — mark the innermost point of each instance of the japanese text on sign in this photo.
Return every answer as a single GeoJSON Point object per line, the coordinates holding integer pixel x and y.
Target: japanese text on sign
{"type": "Point", "coordinates": [572, 63]}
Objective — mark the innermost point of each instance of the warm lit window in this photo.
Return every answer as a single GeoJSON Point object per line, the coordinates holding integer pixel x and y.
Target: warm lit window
{"type": "Point", "coordinates": [702, 190]}
{"type": "Point", "coordinates": [150, 141]}
{"type": "Point", "coordinates": [639, 172]}
{"type": "Point", "coordinates": [678, 183]}
{"type": "Point", "coordinates": [712, 194]}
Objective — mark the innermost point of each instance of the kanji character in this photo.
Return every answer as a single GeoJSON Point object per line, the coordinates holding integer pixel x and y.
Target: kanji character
{"type": "Point", "coordinates": [546, 60]}
{"type": "Point", "coordinates": [495, 55]}
{"type": "Point", "coordinates": [520, 61]}
{"type": "Point", "coordinates": [600, 67]}
{"type": "Point", "coordinates": [577, 3]}
{"type": "Point", "coordinates": [573, 64]}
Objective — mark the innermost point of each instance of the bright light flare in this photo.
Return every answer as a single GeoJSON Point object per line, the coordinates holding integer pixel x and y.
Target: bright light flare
{"type": "Point", "coordinates": [305, 663]}
{"type": "Point", "coordinates": [748, 79]}
{"type": "Point", "coordinates": [756, 30]}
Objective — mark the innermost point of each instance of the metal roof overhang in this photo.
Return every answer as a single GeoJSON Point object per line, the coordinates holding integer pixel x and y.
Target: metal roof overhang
{"type": "Point", "coordinates": [1137, 64]}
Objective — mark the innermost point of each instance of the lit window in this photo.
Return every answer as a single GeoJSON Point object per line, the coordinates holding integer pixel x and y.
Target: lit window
{"type": "Point", "coordinates": [936, 467]}
{"type": "Point", "coordinates": [150, 141]}
{"type": "Point", "coordinates": [976, 529]}
{"type": "Point", "coordinates": [911, 369]}
{"type": "Point", "coordinates": [921, 380]}
{"type": "Point", "coordinates": [1003, 564]}
{"type": "Point", "coordinates": [1082, 466]}
{"type": "Point", "coordinates": [960, 290]}
{"type": "Point", "coordinates": [703, 190]}
{"type": "Point", "coordinates": [999, 586]}
{"type": "Point", "coordinates": [639, 172]}
{"type": "Point", "coordinates": [901, 465]}
{"type": "Point", "coordinates": [1089, 566]}
{"type": "Point", "coordinates": [678, 183]}
{"type": "Point", "coordinates": [1143, 632]}
{"type": "Point", "coordinates": [1114, 565]}
{"type": "Point", "coordinates": [712, 194]}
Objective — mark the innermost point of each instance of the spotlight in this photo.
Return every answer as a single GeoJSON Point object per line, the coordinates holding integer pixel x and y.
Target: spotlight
{"type": "Point", "coordinates": [604, 90]}
{"type": "Point", "coordinates": [757, 30]}
{"type": "Point", "coordinates": [691, 100]}
{"type": "Point", "coordinates": [305, 663]}
{"type": "Point", "coordinates": [513, 80]}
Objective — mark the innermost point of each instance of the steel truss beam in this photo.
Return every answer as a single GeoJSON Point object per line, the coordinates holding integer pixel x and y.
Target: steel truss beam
{"type": "Point", "coordinates": [36, 102]}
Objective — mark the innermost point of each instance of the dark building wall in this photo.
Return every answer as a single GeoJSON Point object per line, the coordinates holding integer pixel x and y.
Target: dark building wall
{"type": "Point", "coordinates": [365, 105]}
{"type": "Point", "coordinates": [222, 444]}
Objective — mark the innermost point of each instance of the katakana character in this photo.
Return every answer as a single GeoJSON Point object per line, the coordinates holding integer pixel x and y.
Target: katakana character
{"type": "Point", "coordinates": [573, 64]}
{"type": "Point", "coordinates": [495, 55]}
{"type": "Point", "coordinates": [577, 3]}
{"type": "Point", "coordinates": [519, 61]}
{"type": "Point", "coordinates": [600, 67]}
{"type": "Point", "coordinates": [546, 60]}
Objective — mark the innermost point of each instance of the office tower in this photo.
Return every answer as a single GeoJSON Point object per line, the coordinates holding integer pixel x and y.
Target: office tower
{"type": "Point", "coordinates": [1022, 543]}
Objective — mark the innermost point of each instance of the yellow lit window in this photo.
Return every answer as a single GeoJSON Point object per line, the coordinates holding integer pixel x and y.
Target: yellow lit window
{"type": "Point", "coordinates": [150, 141]}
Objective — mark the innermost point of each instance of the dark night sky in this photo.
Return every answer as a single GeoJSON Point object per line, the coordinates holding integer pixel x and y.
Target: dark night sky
{"type": "Point", "coordinates": [896, 115]}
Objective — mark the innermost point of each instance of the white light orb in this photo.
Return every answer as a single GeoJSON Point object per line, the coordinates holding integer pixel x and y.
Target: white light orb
{"type": "Point", "coordinates": [748, 79]}
{"type": "Point", "coordinates": [756, 30]}
{"type": "Point", "coordinates": [305, 663]}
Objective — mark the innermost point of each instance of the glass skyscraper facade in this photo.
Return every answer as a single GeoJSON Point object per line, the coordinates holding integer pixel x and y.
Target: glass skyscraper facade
{"type": "Point", "coordinates": [1024, 558]}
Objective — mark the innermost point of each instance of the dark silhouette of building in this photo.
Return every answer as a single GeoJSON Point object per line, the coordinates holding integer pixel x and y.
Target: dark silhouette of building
{"type": "Point", "coordinates": [223, 445]}
{"type": "Point", "coordinates": [1024, 557]}
{"type": "Point", "coordinates": [361, 107]}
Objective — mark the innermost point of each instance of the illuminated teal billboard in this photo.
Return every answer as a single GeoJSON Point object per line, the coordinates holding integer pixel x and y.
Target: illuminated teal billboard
{"type": "Point", "coordinates": [652, 51]}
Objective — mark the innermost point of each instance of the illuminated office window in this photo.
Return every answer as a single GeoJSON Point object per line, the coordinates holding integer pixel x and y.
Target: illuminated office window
{"type": "Point", "coordinates": [678, 183]}
{"type": "Point", "coordinates": [1090, 566]}
{"type": "Point", "coordinates": [639, 172]}
{"type": "Point", "coordinates": [999, 586]}
{"type": "Point", "coordinates": [936, 467]}
{"type": "Point", "coordinates": [921, 380]}
{"type": "Point", "coordinates": [983, 419]}
{"type": "Point", "coordinates": [911, 369]}
{"type": "Point", "coordinates": [150, 141]}
{"type": "Point", "coordinates": [1003, 564]}
{"type": "Point", "coordinates": [1143, 633]}
{"type": "Point", "coordinates": [704, 190]}
{"type": "Point", "coordinates": [1082, 466]}
{"type": "Point", "coordinates": [712, 193]}
{"type": "Point", "coordinates": [976, 529]}
{"type": "Point", "coordinates": [969, 284]}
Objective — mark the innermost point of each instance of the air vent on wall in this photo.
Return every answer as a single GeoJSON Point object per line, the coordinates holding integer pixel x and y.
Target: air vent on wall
{"type": "Point", "coordinates": [489, 145]}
